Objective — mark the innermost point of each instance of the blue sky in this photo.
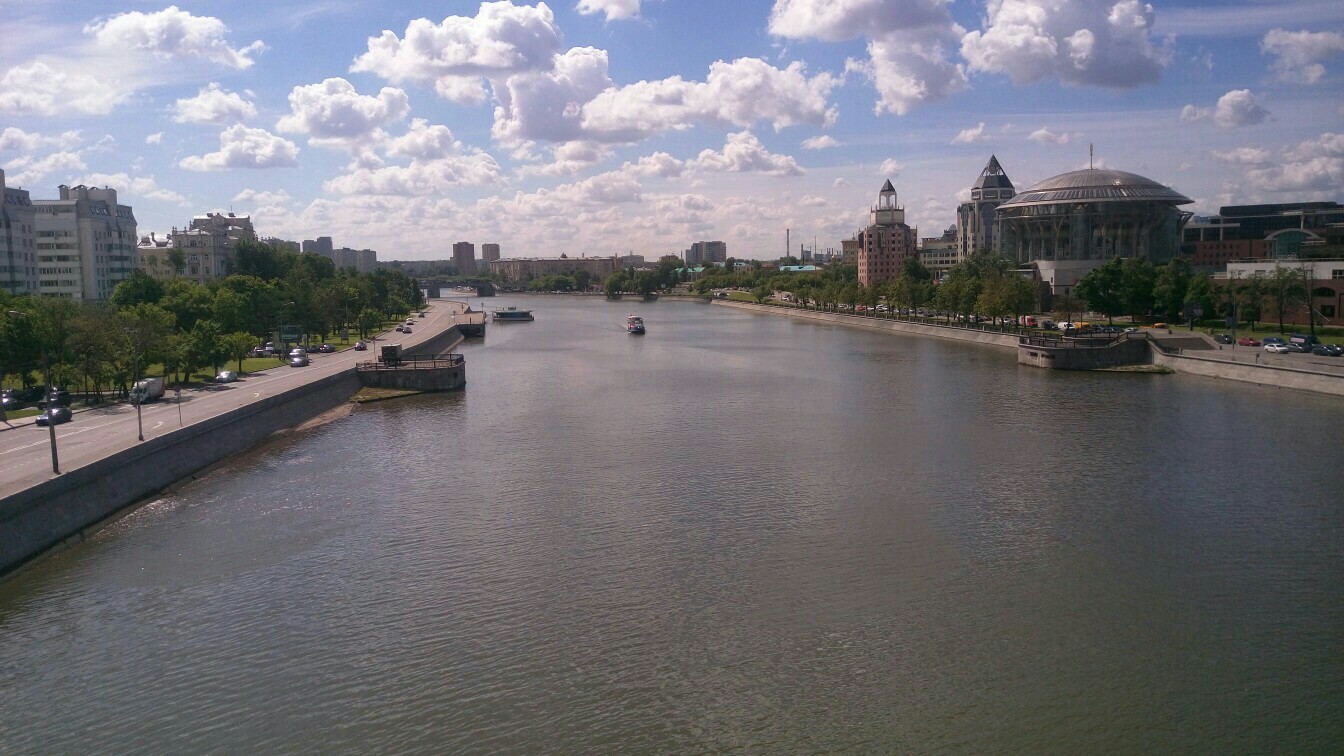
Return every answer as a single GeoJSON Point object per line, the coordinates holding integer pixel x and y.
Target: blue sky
{"type": "Point", "coordinates": [608, 126]}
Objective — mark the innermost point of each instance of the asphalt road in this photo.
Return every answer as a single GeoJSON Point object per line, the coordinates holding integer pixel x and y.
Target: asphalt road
{"type": "Point", "coordinates": [25, 450]}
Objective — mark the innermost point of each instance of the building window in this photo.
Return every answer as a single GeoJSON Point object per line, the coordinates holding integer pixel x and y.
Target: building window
{"type": "Point", "coordinates": [1337, 273]}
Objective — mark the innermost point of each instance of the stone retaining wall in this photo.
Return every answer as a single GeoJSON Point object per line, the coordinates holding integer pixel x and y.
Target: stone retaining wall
{"type": "Point", "coordinates": [38, 518]}
{"type": "Point", "coordinates": [1263, 375]}
{"type": "Point", "coordinates": [878, 324]}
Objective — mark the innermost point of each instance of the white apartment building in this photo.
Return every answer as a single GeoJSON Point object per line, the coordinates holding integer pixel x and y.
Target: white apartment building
{"type": "Point", "coordinates": [86, 243]}
{"type": "Point", "coordinates": [18, 246]}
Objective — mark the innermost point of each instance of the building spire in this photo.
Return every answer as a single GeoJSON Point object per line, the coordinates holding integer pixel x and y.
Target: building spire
{"type": "Point", "coordinates": [1089, 156]}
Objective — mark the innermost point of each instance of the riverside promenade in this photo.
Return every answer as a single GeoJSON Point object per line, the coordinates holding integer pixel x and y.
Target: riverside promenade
{"type": "Point", "coordinates": [1320, 375]}
{"type": "Point", "coordinates": [104, 466]}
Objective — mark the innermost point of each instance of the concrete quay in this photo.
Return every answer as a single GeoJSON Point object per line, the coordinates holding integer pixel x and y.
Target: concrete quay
{"type": "Point", "coordinates": [105, 468]}
{"type": "Point", "coordinates": [1004, 340]}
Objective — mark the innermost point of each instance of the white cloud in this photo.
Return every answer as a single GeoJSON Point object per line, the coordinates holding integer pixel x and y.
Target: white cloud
{"type": "Point", "coordinates": [1298, 55]}
{"type": "Point", "coordinates": [130, 189]}
{"type": "Point", "coordinates": [242, 147]}
{"type": "Point", "coordinates": [840, 183]}
{"type": "Point", "coordinates": [39, 89]}
{"type": "Point", "coordinates": [1242, 156]}
{"type": "Point", "coordinates": [658, 164]}
{"type": "Point", "coordinates": [1313, 165]}
{"type": "Point", "coordinates": [1191, 114]}
{"type": "Point", "coordinates": [155, 138]}
{"type": "Point", "coordinates": [1238, 108]}
{"type": "Point", "coordinates": [890, 168]}
{"type": "Point", "coordinates": [438, 162]}
{"type": "Point", "coordinates": [821, 142]}
{"type": "Point", "coordinates": [252, 196]}
{"type": "Point", "coordinates": [907, 44]}
{"type": "Point", "coordinates": [29, 170]}
{"type": "Point", "coordinates": [971, 135]}
{"type": "Point", "coordinates": [1046, 136]}
{"type": "Point", "coordinates": [615, 10]}
{"type": "Point", "coordinates": [1107, 43]}
{"type": "Point", "coordinates": [739, 93]}
{"type": "Point", "coordinates": [18, 140]}
{"type": "Point", "coordinates": [213, 104]}
{"type": "Point", "coordinates": [424, 142]}
{"type": "Point", "coordinates": [332, 113]}
{"type": "Point", "coordinates": [548, 105]}
{"type": "Point", "coordinates": [744, 153]}
{"type": "Point", "coordinates": [172, 33]}
{"type": "Point", "coordinates": [452, 56]}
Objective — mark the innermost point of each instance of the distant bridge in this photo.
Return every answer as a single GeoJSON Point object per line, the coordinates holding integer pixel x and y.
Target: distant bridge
{"type": "Point", "coordinates": [434, 287]}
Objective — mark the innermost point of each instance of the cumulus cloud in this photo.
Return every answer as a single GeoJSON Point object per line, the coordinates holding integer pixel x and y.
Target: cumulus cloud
{"type": "Point", "coordinates": [840, 183]}
{"type": "Point", "coordinates": [744, 153]}
{"type": "Point", "coordinates": [907, 44]}
{"type": "Point", "coordinates": [820, 142]}
{"type": "Point", "coordinates": [421, 176]}
{"type": "Point", "coordinates": [18, 140]}
{"type": "Point", "coordinates": [133, 187]}
{"type": "Point", "coordinates": [547, 105]}
{"type": "Point", "coordinates": [424, 142]}
{"type": "Point", "coordinates": [332, 113]}
{"type": "Point", "coordinates": [29, 169]}
{"type": "Point", "coordinates": [1238, 108]}
{"type": "Point", "coordinates": [1242, 156]}
{"type": "Point", "coordinates": [1191, 114]}
{"type": "Point", "coordinates": [213, 104]}
{"type": "Point", "coordinates": [264, 197]}
{"type": "Point", "coordinates": [39, 89]}
{"type": "Point", "coordinates": [615, 10]}
{"type": "Point", "coordinates": [1313, 165]}
{"type": "Point", "coordinates": [737, 93]}
{"type": "Point", "coordinates": [1046, 136]}
{"type": "Point", "coordinates": [1298, 56]}
{"type": "Point", "coordinates": [659, 164]}
{"type": "Point", "coordinates": [454, 55]}
{"type": "Point", "coordinates": [890, 168]}
{"type": "Point", "coordinates": [171, 34]}
{"type": "Point", "coordinates": [155, 138]}
{"type": "Point", "coordinates": [1105, 43]}
{"type": "Point", "coordinates": [243, 147]}
{"type": "Point", "coordinates": [971, 135]}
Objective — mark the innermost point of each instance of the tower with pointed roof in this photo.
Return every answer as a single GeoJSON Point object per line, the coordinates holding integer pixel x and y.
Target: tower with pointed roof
{"type": "Point", "coordinates": [975, 219]}
{"type": "Point", "coordinates": [887, 241]}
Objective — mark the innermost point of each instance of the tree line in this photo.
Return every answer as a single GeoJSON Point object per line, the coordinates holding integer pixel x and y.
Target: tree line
{"type": "Point", "coordinates": [185, 326]}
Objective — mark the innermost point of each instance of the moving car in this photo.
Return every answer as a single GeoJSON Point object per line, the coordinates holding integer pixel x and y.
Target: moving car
{"type": "Point", "coordinates": [9, 399]}
{"type": "Point", "coordinates": [297, 352]}
{"type": "Point", "coordinates": [406, 329]}
{"type": "Point", "coordinates": [1297, 349]}
{"type": "Point", "coordinates": [54, 415]}
{"type": "Point", "coordinates": [299, 360]}
{"type": "Point", "coordinates": [1223, 338]}
{"type": "Point", "coordinates": [227, 376]}
{"type": "Point", "coordinates": [1328, 350]}
{"type": "Point", "coordinates": [1278, 348]}
{"type": "Point", "coordinates": [401, 329]}
{"type": "Point", "coordinates": [360, 346]}
{"type": "Point", "coordinates": [1248, 341]}
{"type": "Point", "coordinates": [1274, 340]}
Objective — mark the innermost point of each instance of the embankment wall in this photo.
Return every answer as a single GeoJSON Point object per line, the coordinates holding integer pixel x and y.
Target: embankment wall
{"type": "Point", "coordinates": [59, 509]}
{"type": "Point", "coordinates": [1278, 377]}
{"type": "Point", "coordinates": [878, 324]}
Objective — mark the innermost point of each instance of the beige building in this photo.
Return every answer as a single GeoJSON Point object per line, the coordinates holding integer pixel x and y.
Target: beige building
{"type": "Point", "coordinates": [521, 269]}
{"type": "Point", "coordinates": [887, 241]}
{"type": "Point", "coordinates": [489, 253]}
{"type": "Point", "coordinates": [940, 253]}
{"type": "Point", "coordinates": [86, 243]}
{"type": "Point", "coordinates": [207, 245]}
{"type": "Point", "coordinates": [18, 241]}
{"type": "Point", "coordinates": [849, 251]}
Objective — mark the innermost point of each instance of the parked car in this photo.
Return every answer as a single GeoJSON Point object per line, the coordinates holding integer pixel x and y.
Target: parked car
{"type": "Point", "coordinates": [1223, 338]}
{"type": "Point", "coordinates": [55, 395]}
{"type": "Point", "coordinates": [326, 349]}
{"type": "Point", "coordinates": [300, 360]}
{"type": "Point", "coordinates": [1131, 329]}
{"type": "Point", "coordinates": [360, 346]}
{"type": "Point", "coordinates": [1280, 348]}
{"type": "Point", "coordinates": [1328, 350]}
{"type": "Point", "coordinates": [1297, 349]}
{"type": "Point", "coordinates": [55, 415]}
{"type": "Point", "coordinates": [1274, 340]}
{"type": "Point", "coordinates": [9, 399]}
{"type": "Point", "coordinates": [1248, 341]}
{"type": "Point", "coordinates": [227, 376]}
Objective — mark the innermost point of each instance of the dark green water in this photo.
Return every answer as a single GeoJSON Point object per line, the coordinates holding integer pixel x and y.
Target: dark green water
{"type": "Point", "coordinates": [739, 532]}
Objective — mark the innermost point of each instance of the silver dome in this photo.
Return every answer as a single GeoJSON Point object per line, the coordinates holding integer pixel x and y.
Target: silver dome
{"type": "Point", "coordinates": [1096, 185]}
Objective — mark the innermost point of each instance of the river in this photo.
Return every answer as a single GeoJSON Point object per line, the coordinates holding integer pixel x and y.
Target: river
{"type": "Point", "coordinates": [739, 532]}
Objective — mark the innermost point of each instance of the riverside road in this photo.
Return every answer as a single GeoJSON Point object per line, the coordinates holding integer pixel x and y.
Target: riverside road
{"type": "Point", "coordinates": [25, 453]}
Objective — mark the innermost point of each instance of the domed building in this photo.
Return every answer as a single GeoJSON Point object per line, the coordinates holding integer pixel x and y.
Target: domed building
{"type": "Point", "coordinates": [1070, 224]}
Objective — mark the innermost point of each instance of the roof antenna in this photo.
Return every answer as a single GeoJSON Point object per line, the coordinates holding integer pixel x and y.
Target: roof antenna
{"type": "Point", "coordinates": [1089, 156]}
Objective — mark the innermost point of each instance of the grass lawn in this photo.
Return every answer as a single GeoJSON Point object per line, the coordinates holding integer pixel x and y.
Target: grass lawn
{"type": "Point", "coordinates": [16, 414]}
{"type": "Point", "coordinates": [741, 296]}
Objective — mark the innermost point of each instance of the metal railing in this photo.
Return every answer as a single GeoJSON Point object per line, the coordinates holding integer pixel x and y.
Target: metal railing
{"type": "Point", "coordinates": [414, 362]}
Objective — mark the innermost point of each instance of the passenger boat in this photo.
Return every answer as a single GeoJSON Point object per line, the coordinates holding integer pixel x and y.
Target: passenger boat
{"type": "Point", "coordinates": [511, 314]}
{"type": "Point", "coordinates": [634, 325]}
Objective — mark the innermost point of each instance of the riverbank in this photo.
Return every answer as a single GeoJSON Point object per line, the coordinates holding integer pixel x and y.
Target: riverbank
{"type": "Point", "coordinates": [989, 338]}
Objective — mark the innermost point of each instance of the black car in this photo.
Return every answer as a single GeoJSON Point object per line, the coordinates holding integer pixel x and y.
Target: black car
{"type": "Point", "coordinates": [54, 415]}
{"type": "Point", "coordinates": [56, 396]}
{"type": "Point", "coordinates": [1223, 338]}
{"type": "Point", "coordinates": [1328, 350]}
{"type": "Point", "coordinates": [9, 399]}
{"type": "Point", "coordinates": [1297, 349]}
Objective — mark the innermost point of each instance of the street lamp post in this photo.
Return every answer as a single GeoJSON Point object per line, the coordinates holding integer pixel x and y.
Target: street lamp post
{"type": "Point", "coordinates": [46, 378]}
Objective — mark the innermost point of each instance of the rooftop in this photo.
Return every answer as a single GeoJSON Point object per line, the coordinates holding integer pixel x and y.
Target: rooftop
{"type": "Point", "coordinates": [1096, 185]}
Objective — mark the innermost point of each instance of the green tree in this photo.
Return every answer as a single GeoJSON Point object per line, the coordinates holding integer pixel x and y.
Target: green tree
{"type": "Point", "coordinates": [1200, 293]}
{"type": "Point", "coordinates": [1250, 293]}
{"type": "Point", "coordinates": [1136, 286]}
{"type": "Point", "coordinates": [188, 301]}
{"type": "Point", "coordinates": [1103, 289]}
{"type": "Point", "coordinates": [140, 288]}
{"type": "Point", "coordinates": [368, 320]}
{"type": "Point", "coordinates": [177, 259]}
{"type": "Point", "coordinates": [205, 346]}
{"type": "Point", "coordinates": [761, 293]}
{"type": "Point", "coordinates": [238, 345]}
{"type": "Point", "coordinates": [582, 280]}
{"type": "Point", "coordinates": [1169, 288]}
{"type": "Point", "coordinates": [1286, 290]}
{"type": "Point", "coordinates": [1019, 295]}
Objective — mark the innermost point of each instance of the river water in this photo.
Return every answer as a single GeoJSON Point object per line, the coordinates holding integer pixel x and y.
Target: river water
{"type": "Point", "coordinates": [739, 532]}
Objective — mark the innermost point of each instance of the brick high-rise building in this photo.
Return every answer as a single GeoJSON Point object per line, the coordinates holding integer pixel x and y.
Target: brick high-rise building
{"type": "Point", "coordinates": [887, 241]}
{"type": "Point", "coordinates": [489, 252]}
{"type": "Point", "coordinates": [464, 258]}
